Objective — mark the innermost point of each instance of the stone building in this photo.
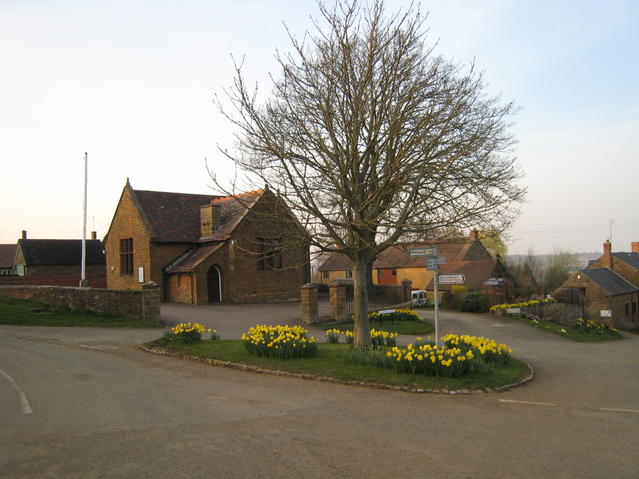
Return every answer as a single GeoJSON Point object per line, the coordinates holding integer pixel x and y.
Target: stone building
{"type": "Point", "coordinates": [7, 257]}
{"type": "Point", "coordinates": [606, 290]}
{"type": "Point", "coordinates": [206, 248]}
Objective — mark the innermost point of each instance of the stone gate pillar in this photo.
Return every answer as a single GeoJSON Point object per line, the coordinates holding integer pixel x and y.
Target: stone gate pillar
{"type": "Point", "coordinates": [407, 288]}
{"type": "Point", "coordinates": [309, 303]}
{"type": "Point", "coordinates": [337, 293]}
{"type": "Point", "coordinates": [151, 302]}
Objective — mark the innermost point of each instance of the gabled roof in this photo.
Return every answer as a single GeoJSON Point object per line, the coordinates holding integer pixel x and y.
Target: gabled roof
{"type": "Point", "coordinates": [173, 217]}
{"type": "Point", "coordinates": [39, 252]}
{"type": "Point", "coordinates": [476, 273]}
{"type": "Point", "coordinates": [232, 210]}
{"type": "Point", "coordinates": [631, 259]}
{"type": "Point", "coordinates": [7, 255]}
{"type": "Point", "coordinates": [613, 283]}
{"type": "Point", "coordinates": [397, 256]}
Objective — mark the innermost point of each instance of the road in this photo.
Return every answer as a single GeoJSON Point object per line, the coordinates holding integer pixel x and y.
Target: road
{"type": "Point", "coordinates": [100, 408]}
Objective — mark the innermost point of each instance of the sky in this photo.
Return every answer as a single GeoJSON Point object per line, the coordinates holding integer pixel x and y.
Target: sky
{"type": "Point", "coordinates": [132, 83]}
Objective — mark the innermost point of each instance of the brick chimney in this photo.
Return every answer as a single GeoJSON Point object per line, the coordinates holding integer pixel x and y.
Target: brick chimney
{"type": "Point", "coordinates": [24, 234]}
{"type": "Point", "coordinates": [94, 235]}
{"type": "Point", "coordinates": [607, 256]}
{"type": "Point", "coordinates": [209, 219]}
{"type": "Point", "coordinates": [474, 234]}
{"type": "Point", "coordinates": [634, 246]}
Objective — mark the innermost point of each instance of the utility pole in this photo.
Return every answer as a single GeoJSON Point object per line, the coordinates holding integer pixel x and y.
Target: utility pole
{"type": "Point", "coordinates": [83, 281]}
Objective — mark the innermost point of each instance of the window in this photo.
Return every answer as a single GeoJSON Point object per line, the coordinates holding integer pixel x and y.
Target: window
{"type": "Point", "coordinates": [627, 307]}
{"type": "Point", "coordinates": [126, 256]}
{"type": "Point", "coordinates": [349, 273]}
{"type": "Point", "coordinates": [634, 307]}
{"type": "Point", "coordinates": [270, 254]}
{"type": "Point", "coordinates": [325, 274]}
{"type": "Point", "coordinates": [394, 272]}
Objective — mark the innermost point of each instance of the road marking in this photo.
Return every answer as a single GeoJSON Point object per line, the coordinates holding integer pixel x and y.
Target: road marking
{"type": "Point", "coordinates": [534, 403]}
{"type": "Point", "coordinates": [634, 411]}
{"type": "Point", "coordinates": [24, 402]}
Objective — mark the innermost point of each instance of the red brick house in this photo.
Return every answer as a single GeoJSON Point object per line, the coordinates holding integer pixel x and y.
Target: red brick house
{"type": "Point", "coordinates": [207, 248]}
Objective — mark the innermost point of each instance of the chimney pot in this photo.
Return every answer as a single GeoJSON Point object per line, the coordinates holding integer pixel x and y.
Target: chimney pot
{"type": "Point", "coordinates": [24, 234]}
{"type": "Point", "coordinates": [94, 235]}
{"type": "Point", "coordinates": [607, 256]}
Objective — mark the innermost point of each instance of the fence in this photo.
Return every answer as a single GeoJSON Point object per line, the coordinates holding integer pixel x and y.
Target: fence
{"type": "Point", "coordinates": [341, 292]}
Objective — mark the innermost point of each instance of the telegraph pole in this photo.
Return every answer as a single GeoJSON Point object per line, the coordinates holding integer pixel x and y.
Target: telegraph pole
{"type": "Point", "coordinates": [83, 279]}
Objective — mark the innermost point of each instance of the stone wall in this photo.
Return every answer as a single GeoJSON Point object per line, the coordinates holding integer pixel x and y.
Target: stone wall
{"type": "Point", "coordinates": [98, 281]}
{"type": "Point", "coordinates": [143, 304]}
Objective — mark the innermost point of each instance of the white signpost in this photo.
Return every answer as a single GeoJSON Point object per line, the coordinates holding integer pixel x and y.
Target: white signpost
{"type": "Point", "coordinates": [432, 264]}
{"type": "Point", "coordinates": [452, 279]}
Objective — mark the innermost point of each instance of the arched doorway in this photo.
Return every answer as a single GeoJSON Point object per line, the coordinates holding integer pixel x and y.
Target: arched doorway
{"type": "Point", "coordinates": [214, 284]}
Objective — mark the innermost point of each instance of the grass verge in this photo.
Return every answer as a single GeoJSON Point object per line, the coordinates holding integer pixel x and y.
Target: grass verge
{"type": "Point", "coordinates": [331, 362]}
{"type": "Point", "coordinates": [399, 327]}
{"type": "Point", "coordinates": [570, 333]}
{"type": "Point", "coordinates": [29, 313]}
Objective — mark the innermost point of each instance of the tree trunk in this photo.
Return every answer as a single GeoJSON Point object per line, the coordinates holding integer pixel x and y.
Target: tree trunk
{"type": "Point", "coordinates": [362, 330]}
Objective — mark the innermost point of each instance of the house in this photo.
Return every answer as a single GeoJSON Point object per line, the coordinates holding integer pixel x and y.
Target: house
{"type": "Point", "coordinates": [607, 289]}
{"type": "Point", "coordinates": [58, 261]}
{"type": "Point", "coordinates": [603, 294]}
{"type": "Point", "coordinates": [207, 248]}
{"type": "Point", "coordinates": [465, 255]}
{"type": "Point", "coordinates": [7, 256]}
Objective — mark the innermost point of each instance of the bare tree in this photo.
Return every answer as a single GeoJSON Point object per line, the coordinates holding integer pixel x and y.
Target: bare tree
{"type": "Point", "coordinates": [559, 266]}
{"type": "Point", "coordinates": [372, 139]}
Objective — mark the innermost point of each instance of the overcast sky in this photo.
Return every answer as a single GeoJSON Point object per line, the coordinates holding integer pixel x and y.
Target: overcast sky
{"type": "Point", "coordinates": [132, 82]}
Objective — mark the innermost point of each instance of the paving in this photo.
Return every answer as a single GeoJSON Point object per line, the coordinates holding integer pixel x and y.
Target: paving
{"type": "Point", "coordinates": [98, 407]}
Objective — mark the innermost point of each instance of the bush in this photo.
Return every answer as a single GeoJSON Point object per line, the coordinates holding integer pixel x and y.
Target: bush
{"type": "Point", "coordinates": [475, 303]}
{"type": "Point", "coordinates": [396, 315]}
{"type": "Point", "coordinates": [453, 298]}
{"type": "Point", "coordinates": [281, 342]}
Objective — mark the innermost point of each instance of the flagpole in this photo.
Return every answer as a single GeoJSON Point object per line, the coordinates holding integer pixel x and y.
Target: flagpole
{"type": "Point", "coordinates": [83, 280]}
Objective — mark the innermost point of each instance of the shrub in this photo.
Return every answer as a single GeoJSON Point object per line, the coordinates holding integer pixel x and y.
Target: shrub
{"type": "Point", "coordinates": [186, 333]}
{"type": "Point", "coordinates": [396, 315]}
{"type": "Point", "coordinates": [475, 302]}
{"type": "Point", "coordinates": [281, 342]}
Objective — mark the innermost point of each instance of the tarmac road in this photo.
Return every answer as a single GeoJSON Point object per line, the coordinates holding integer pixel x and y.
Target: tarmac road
{"type": "Point", "coordinates": [100, 408]}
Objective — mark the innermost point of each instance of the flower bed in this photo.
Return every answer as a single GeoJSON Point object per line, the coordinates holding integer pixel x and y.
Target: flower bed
{"type": "Point", "coordinates": [523, 304]}
{"type": "Point", "coordinates": [395, 315]}
{"type": "Point", "coordinates": [378, 338]}
{"type": "Point", "coordinates": [282, 342]}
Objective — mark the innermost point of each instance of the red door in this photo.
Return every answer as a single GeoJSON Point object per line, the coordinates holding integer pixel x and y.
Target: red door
{"type": "Point", "coordinates": [387, 276]}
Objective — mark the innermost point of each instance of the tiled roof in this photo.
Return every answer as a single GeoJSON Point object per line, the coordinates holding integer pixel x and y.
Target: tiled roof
{"type": "Point", "coordinates": [396, 256]}
{"type": "Point", "coordinates": [631, 259]}
{"type": "Point", "coordinates": [476, 273]}
{"type": "Point", "coordinates": [232, 210]}
{"type": "Point", "coordinates": [191, 260]}
{"type": "Point", "coordinates": [173, 217]}
{"type": "Point", "coordinates": [7, 254]}
{"type": "Point", "coordinates": [611, 282]}
{"type": "Point", "coordinates": [60, 252]}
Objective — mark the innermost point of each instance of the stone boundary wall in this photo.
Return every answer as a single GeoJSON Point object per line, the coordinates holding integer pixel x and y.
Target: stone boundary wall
{"type": "Point", "coordinates": [143, 304]}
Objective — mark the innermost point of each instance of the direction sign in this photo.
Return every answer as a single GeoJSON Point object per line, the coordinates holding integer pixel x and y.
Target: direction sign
{"type": "Point", "coordinates": [430, 251]}
{"type": "Point", "coordinates": [452, 279]}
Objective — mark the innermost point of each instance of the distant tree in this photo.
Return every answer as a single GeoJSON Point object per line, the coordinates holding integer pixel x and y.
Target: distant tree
{"type": "Point", "coordinates": [493, 241]}
{"type": "Point", "coordinates": [527, 272]}
{"type": "Point", "coordinates": [560, 265]}
{"type": "Point", "coordinates": [372, 139]}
